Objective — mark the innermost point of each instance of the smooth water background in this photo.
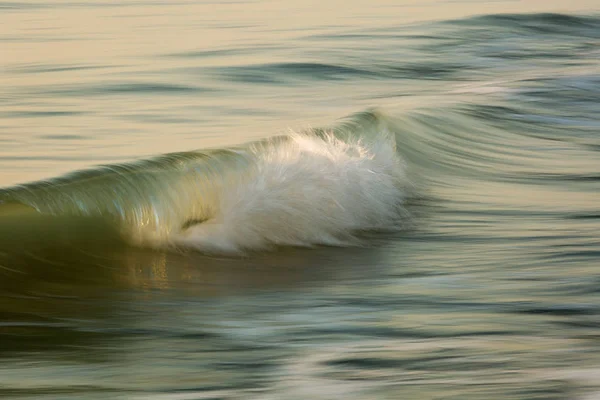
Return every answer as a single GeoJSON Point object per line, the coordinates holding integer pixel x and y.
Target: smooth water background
{"type": "Point", "coordinates": [490, 291]}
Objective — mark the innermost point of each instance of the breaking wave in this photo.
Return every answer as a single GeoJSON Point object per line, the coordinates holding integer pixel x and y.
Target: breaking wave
{"type": "Point", "coordinates": [321, 186]}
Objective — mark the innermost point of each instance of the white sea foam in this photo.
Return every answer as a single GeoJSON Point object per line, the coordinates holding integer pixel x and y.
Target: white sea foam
{"type": "Point", "coordinates": [311, 189]}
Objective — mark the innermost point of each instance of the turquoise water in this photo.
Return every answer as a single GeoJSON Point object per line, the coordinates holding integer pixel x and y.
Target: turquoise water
{"type": "Point", "coordinates": [428, 229]}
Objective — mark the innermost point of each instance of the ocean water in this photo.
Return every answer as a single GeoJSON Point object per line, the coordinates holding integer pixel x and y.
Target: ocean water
{"type": "Point", "coordinates": [299, 200]}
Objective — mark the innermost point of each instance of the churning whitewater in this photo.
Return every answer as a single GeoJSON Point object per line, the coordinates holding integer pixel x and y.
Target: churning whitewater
{"type": "Point", "coordinates": [321, 186]}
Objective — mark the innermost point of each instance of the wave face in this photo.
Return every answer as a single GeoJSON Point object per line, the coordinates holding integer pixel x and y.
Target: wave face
{"type": "Point", "coordinates": [321, 186]}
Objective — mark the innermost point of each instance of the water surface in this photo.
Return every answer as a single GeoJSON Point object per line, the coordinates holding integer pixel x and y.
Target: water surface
{"type": "Point", "coordinates": [489, 289]}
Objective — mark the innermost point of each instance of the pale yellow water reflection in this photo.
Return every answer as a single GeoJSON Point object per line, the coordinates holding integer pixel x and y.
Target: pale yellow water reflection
{"type": "Point", "coordinates": [58, 59]}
